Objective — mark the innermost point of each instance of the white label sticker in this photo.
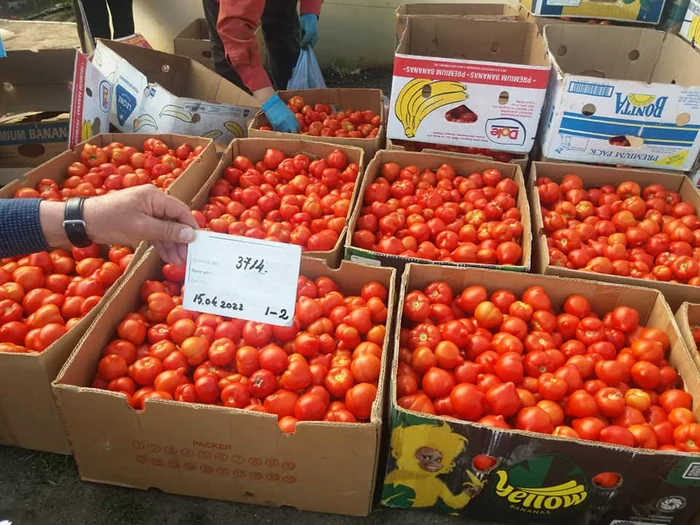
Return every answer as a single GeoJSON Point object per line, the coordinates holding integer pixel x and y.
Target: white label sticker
{"type": "Point", "coordinates": [243, 278]}
{"type": "Point", "coordinates": [364, 260]}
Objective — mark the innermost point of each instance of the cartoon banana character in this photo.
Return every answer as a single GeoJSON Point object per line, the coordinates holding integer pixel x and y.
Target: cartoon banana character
{"type": "Point", "coordinates": [213, 134]}
{"type": "Point", "coordinates": [143, 121]}
{"type": "Point", "coordinates": [177, 112]}
{"type": "Point", "coordinates": [420, 97]}
{"type": "Point", "coordinates": [235, 128]}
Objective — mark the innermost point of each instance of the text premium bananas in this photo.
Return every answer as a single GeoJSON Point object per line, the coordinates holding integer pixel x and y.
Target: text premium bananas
{"type": "Point", "coordinates": [420, 97]}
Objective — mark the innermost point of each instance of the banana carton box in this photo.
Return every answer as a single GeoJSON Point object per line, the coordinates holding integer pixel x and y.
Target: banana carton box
{"type": "Point", "coordinates": [690, 28]}
{"type": "Point", "coordinates": [622, 95]}
{"type": "Point", "coordinates": [156, 92]}
{"type": "Point", "coordinates": [464, 82]}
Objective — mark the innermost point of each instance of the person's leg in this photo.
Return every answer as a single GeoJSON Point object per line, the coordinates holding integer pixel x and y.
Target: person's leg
{"type": "Point", "coordinates": [122, 17]}
{"type": "Point", "coordinates": [280, 25]}
{"type": "Point", "coordinates": [97, 18]}
{"type": "Point", "coordinates": [221, 65]}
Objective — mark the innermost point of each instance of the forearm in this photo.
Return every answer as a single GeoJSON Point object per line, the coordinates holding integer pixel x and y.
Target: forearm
{"type": "Point", "coordinates": [29, 226]}
{"type": "Point", "coordinates": [310, 6]}
{"type": "Point", "coordinates": [238, 20]}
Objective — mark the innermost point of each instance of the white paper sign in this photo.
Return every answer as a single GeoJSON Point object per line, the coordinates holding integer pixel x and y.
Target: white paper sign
{"type": "Point", "coordinates": [242, 278]}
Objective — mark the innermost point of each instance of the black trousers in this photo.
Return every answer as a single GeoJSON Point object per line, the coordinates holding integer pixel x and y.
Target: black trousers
{"type": "Point", "coordinates": [280, 26]}
{"type": "Point", "coordinates": [98, 18]}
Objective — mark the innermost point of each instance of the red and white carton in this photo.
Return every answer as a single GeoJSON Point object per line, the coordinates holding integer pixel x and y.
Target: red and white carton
{"type": "Point", "coordinates": [476, 83]}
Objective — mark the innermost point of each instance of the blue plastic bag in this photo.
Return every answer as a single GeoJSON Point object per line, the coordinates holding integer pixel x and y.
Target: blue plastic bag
{"type": "Point", "coordinates": [307, 73]}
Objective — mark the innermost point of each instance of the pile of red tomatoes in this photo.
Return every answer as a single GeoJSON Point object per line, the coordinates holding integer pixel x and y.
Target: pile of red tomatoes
{"type": "Point", "coordinates": [114, 167]}
{"type": "Point", "coordinates": [441, 216]}
{"type": "Point", "coordinates": [326, 366]}
{"type": "Point", "coordinates": [286, 199]}
{"type": "Point", "coordinates": [648, 233]}
{"type": "Point", "coordinates": [44, 294]}
{"type": "Point", "coordinates": [511, 362]}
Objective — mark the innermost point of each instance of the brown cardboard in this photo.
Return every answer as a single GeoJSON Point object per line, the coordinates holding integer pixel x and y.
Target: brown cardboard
{"type": "Point", "coordinates": [649, 477]}
{"type": "Point", "coordinates": [463, 166]}
{"type": "Point", "coordinates": [474, 11]}
{"type": "Point", "coordinates": [519, 159]}
{"type": "Point", "coordinates": [193, 42]}
{"type": "Point", "coordinates": [655, 71]}
{"type": "Point", "coordinates": [255, 149]}
{"type": "Point", "coordinates": [341, 98]}
{"type": "Point", "coordinates": [218, 452]}
{"type": "Point", "coordinates": [28, 414]}
{"type": "Point", "coordinates": [687, 316]}
{"type": "Point", "coordinates": [184, 187]}
{"type": "Point", "coordinates": [675, 294]}
{"type": "Point", "coordinates": [34, 107]}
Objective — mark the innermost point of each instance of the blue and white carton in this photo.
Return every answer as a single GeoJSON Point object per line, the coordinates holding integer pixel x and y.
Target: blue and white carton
{"type": "Point", "coordinates": [622, 96]}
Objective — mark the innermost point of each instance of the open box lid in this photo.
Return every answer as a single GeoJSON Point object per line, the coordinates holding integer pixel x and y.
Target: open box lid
{"type": "Point", "coordinates": [36, 81]}
{"type": "Point", "coordinates": [181, 76]}
{"type": "Point", "coordinates": [496, 41]}
{"type": "Point", "coordinates": [622, 53]}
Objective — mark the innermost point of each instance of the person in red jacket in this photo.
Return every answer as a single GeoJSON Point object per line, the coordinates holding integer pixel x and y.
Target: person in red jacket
{"type": "Point", "coordinates": [232, 25]}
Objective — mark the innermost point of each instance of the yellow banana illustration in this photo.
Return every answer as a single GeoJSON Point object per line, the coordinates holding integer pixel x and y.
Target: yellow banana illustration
{"type": "Point", "coordinates": [112, 77]}
{"type": "Point", "coordinates": [213, 134]}
{"type": "Point", "coordinates": [235, 128]}
{"type": "Point", "coordinates": [176, 112]}
{"type": "Point", "coordinates": [420, 97]}
{"type": "Point", "coordinates": [85, 130]}
{"type": "Point", "coordinates": [143, 121]}
{"type": "Point", "coordinates": [694, 30]}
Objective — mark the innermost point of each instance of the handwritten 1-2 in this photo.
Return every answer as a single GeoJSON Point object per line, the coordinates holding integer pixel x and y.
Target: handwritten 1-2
{"type": "Point", "coordinates": [203, 299]}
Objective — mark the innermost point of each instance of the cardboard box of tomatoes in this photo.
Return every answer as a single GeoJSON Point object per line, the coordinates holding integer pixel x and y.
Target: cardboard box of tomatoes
{"type": "Point", "coordinates": [520, 159]}
{"type": "Point", "coordinates": [476, 83]}
{"type": "Point", "coordinates": [648, 253]}
{"type": "Point", "coordinates": [214, 451]}
{"type": "Point", "coordinates": [464, 168]}
{"type": "Point", "coordinates": [620, 95]}
{"type": "Point", "coordinates": [185, 186]}
{"type": "Point", "coordinates": [688, 319]}
{"type": "Point", "coordinates": [339, 100]}
{"type": "Point", "coordinates": [492, 471]}
{"type": "Point", "coordinates": [255, 150]}
{"type": "Point", "coordinates": [28, 414]}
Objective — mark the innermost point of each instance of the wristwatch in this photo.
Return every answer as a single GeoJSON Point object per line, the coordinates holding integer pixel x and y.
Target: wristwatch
{"type": "Point", "coordinates": [74, 224]}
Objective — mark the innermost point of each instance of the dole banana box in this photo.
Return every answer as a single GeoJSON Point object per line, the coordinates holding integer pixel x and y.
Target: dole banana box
{"type": "Point", "coordinates": [156, 92]}
{"type": "Point", "coordinates": [477, 83]}
{"type": "Point", "coordinates": [690, 28]}
{"type": "Point", "coordinates": [622, 95]}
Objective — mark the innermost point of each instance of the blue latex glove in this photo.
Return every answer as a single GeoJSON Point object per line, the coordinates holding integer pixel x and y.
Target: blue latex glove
{"type": "Point", "coordinates": [309, 30]}
{"type": "Point", "coordinates": [280, 116]}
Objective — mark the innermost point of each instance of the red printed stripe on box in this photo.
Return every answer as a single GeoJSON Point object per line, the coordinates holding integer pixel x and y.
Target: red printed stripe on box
{"type": "Point", "coordinates": [475, 73]}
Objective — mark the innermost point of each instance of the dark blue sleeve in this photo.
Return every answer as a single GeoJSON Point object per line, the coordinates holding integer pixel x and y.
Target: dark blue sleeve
{"type": "Point", "coordinates": [20, 227]}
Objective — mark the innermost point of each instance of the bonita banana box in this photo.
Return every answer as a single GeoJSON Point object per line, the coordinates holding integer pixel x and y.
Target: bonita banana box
{"type": "Point", "coordinates": [690, 29]}
{"type": "Point", "coordinates": [156, 92]}
{"type": "Point", "coordinates": [622, 95]}
{"type": "Point", "coordinates": [639, 11]}
{"type": "Point", "coordinates": [475, 83]}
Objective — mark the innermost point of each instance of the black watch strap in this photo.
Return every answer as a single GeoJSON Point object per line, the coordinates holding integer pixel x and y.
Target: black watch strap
{"type": "Point", "coordinates": [74, 224]}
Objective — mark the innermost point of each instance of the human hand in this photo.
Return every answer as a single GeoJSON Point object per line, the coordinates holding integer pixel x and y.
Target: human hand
{"type": "Point", "coordinates": [142, 213]}
{"type": "Point", "coordinates": [280, 116]}
{"type": "Point", "coordinates": [309, 30]}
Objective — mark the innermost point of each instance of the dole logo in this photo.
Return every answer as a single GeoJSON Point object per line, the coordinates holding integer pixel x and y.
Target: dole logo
{"type": "Point", "coordinates": [505, 131]}
{"type": "Point", "coordinates": [636, 105]}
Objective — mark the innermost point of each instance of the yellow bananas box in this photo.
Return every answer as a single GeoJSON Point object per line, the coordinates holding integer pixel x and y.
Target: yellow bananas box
{"type": "Point", "coordinates": [690, 29]}
{"type": "Point", "coordinates": [156, 92]}
{"type": "Point", "coordinates": [464, 82]}
{"type": "Point", "coordinates": [622, 95]}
